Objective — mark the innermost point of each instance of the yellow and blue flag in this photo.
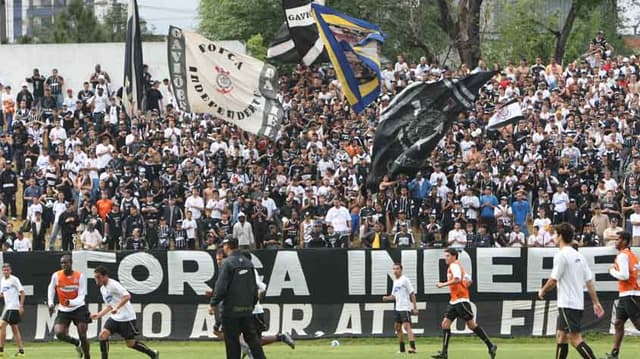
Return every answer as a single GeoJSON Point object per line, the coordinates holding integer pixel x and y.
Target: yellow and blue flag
{"type": "Point", "coordinates": [353, 45]}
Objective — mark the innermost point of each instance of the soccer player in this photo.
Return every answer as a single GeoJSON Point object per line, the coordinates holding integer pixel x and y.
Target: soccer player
{"type": "Point", "coordinates": [459, 305]}
{"type": "Point", "coordinates": [123, 317]}
{"type": "Point", "coordinates": [570, 273]}
{"type": "Point", "coordinates": [71, 288]}
{"type": "Point", "coordinates": [13, 295]}
{"type": "Point", "coordinates": [404, 297]}
{"type": "Point", "coordinates": [625, 270]}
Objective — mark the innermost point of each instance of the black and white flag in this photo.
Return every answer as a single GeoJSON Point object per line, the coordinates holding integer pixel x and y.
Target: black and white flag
{"type": "Point", "coordinates": [415, 121]}
{"type": "Point", "coordinates": [132, 93]}
{"type": "Point", "coordinates": [299, 40]}
{"type": "Point", "coordinates": [208, 78]}
{"type": "Point", "coordinates": [507, 114]}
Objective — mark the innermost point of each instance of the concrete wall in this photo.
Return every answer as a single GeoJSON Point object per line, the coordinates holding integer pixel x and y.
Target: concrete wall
{"type": "Point", "coordinates": [75, 62]}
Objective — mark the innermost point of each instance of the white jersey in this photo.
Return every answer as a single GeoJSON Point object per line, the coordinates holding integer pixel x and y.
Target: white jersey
{"type": "Point", "coordinates": [257, 309]}
{"type": "Point", "coordinates": [402, 290]}
{"type": "Point", "coordinates": [112, 294]}
{"type": "Point", "coordinates": [11, 288]}
{"type": "Point", "coordinates": [571, 271]}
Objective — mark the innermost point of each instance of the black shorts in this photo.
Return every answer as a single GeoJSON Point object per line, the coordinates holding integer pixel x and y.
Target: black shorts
{"type": "Point", "coordinates": [569, 320]}
{"type": "Point", "coordinates": [460, 310]}
{"type": "Point", "coordinates": [127, 330]}
{"type": "Point", "coordinates": [628, 308]}
{"type": "Point", "coordinates": [402, 316]}
{"type": "Point", "coordinates": [261, 324]}
{"type": "Point", "coordinates": [12, 316]}
{"type": "Point", "coordinates": [80, 315]}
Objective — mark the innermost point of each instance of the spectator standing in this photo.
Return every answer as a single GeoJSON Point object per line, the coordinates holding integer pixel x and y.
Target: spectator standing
{"type": "Point", "coordinates": [243, 233]}
{"type": "Point", "coordinates": [488, 203]}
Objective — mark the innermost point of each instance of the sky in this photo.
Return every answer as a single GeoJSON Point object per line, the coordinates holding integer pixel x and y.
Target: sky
{"type": "Point", "coordinates": [162, 13]}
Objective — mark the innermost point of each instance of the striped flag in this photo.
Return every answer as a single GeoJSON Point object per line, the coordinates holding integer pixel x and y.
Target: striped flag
{"type": "Point", "coordinates": [298, 40]}
{"type": "Point", "coordinates": [132, 93]}
{"type": "Point", "coordinates": [507, 114]}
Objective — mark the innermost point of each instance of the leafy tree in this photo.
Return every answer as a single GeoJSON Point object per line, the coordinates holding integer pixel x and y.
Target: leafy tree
{"type": "Point", "coordinates": [77, 23]}
{"type": "Point", "coordinates": [115, 22]}
{"type": "Point", "coordinates": [256, 47]}
{"type": "Point", "coordinates": [462, 28]}
{"type": "Point", "coordinates": [239, 20]}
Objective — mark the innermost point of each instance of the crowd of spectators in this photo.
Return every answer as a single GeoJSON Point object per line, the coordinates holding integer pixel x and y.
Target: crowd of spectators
{"type": "Point", "coordinates": [85, 174]}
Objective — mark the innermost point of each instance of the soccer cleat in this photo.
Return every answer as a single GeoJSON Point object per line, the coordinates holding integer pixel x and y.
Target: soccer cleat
{"type": "Point", "coordinates": [493, 350]}
{"type": "Point", "coordinates": [18, 354]}
{"type": "Point", "coordinates": [611, 356]}
{"type": "Point", "coordinates": [79, 350]}
{"type": "Point", "coordinates": [156, 354]}
{"type": "Point", "coordinates": [286, 338]}
{"type": "Point", "coordinates": [411, 351]}
{"type": "Point", "coordinates": [440, 355]}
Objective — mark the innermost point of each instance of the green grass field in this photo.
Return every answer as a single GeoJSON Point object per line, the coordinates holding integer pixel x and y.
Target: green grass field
{"type": "Point", "coordinates": [460, 348]}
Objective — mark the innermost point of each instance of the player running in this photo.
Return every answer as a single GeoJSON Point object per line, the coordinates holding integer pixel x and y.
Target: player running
{"type": "Point", "coordinates": [404, 297]}
{"type": "Point", "coordinates": [123, 317]}
{"type": "Point", "coordinates": [625, 270]}
{"type": "Point", "coordinates": [13, 295]}
{"type": "Point", "coordinates": [459, 305]}
{"type": "Point", "coordinates": [71, 287]}
{"type": "Point", "coordinates": [570, 273]}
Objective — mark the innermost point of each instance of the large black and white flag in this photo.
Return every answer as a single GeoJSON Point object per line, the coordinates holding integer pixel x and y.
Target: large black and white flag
{"type": "Point", "coordinates": [299, 40]}
{"type": "Point", "coordinates": [507, 114]}
{"type": "Point", "coordinates": [132, 93]}
{"type": "Point", "coordinates": [208, 78]}
{"type": "Point", "coordinates": [415, 121]}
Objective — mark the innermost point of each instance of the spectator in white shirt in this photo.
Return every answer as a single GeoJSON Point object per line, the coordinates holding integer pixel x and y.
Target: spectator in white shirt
{"type": "Point", "coordinates": [190, 226]}
{"type": "Point", "coordinates": [634, 219]}
{"type": "Point", "coordinates": [516, 238]}
{"type": "Point", "coordinates": [560, 201]}
{"type": "Point", "coordinates": [21, 244]}
{"type": "Point", "coordinates": [243, 232]}
{"type": "Point", "coordinates": [457, 237]}
{"type": "Point", "coordinates": [540, 238]}
{"type": "Point", "coordinates": [339, 217]}
{"type": "Point", "coordinates": [195, 204]}
{"type": "Point", "coordinates": [91, 238]}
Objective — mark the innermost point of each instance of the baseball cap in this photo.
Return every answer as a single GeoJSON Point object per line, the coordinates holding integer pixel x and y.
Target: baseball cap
{"type": "Point", "coordinates": [241, 214]}
{"type": "Point", "coordinates": [230, 241]}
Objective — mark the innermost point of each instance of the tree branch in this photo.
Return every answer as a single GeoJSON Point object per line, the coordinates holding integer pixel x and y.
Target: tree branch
{"type": "Point", "coordinates": [445, 21]}
{"type": "Point", "coordinates": [555, 33]}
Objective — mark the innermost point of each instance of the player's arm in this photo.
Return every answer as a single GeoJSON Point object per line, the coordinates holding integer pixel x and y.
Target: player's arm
{"type": "Point", "coordinates": [623, 264]}
{"type": "Point", "coordinates": [106, 309]}
{"type": "Point", "coordinates": [455, 278]}
{"type": "Point", "coordinates": [597, 307]}
{"type": "Point", "coordinates": [221, 287]}
{"type": "Point", "coordinates": [82, 293]}
{"type": "Point", "coordinates": [389, 298]}
{"type": "Point", "coordinates": [126, 297]}
{"type": "Point", "coordinates": [414, 303]}
{"type": "Point", "coordinates": [556, 273]}
{"type": "Point", "coordinates": [51, 291]}
{"type": "Point", "coordinates": [22, 296]}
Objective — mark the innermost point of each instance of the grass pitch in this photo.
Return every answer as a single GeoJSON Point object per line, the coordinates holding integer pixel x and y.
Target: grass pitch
{"type": "Point", "coordinates": [460, 348]}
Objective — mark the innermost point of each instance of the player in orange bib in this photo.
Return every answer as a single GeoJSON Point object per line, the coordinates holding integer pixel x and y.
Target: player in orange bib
{"type": "Point", "coordinates": [71, 288]}
{"type": "Point", "coordinates": [625, 270]}
{"type": "Point", "coordinates": [459, 305]}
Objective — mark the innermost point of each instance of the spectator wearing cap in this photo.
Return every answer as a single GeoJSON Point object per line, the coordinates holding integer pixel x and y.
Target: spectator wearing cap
{"type": "Point", "coordinates": [573, 217]}
{"type": "Point", "coordinates": [588, 237]}
{"type": "Point", "coordinates": [404, 239]}
{"type": "Point", "coordinates": [504, 213]}
{"type": "Point", "coordinates": [243, 232]}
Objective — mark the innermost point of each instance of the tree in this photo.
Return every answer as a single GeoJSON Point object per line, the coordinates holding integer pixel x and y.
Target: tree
{"type": "Point", "coordinates": [77, 23]}
{"type": "Point", "coordinates": [462, 30]}
{"type": "Point", "coordinates": [115, 22]}
{"type": "Point", "coordinates": [239, 20]}
{"type": "Point", "coordinates": [256, 47]}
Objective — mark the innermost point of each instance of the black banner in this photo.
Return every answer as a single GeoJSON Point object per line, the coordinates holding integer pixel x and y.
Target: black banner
{"type": "Point", "coordinates": [320, 293]}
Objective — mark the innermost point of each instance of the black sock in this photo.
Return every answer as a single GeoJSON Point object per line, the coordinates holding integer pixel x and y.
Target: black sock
{"type": "Point", "coordinates": [67, 339]}
{"type": "Point", "coordinates": [412, 344]}
{"type": "Point", "coordinates": [585, 351]}
{"type": "Point", "coordinates": [562, 351]}
{"type": "Point", "coordinates": [104, 348]}
{"type": "Point", "coordinates": [21, 351]}
{"type": "Point", "coordinates": [446, 334]}
{"type": "Point", "coordinates": [280, 337]}
{"type": "Point", "coordinates": [143, 348]}
{"type": "Point", "coordinates": [1, 349]}
{"type": "Point", "coordinates": [482, 335]}
{"type": "Point", "coordinates": [401, 347]}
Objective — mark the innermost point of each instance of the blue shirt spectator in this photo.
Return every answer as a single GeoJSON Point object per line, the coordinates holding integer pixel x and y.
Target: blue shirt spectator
{"type": "Point", "coordinates": [488, 203]}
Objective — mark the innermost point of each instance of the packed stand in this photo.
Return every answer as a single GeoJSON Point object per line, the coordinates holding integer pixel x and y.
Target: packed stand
{"type": "Point", "coordinates": [85, 175]}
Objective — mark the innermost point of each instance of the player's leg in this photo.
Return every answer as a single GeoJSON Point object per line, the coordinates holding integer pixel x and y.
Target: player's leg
{"type": "Point", "coordinates": [3, 335]}
{"type": "Point", "coordinates": [17, 335]}
{"type": "Point", "coordinates": [573, 329]}
{"type": "Point", "coordinates": [412, 340]}
{"type": "Point", "coordinates": [84, 341]}
{"type": "Point", "coordinates": [232, 331]}
{"type": "Point", "coordinates": [104, 341]}
{"type": "Point", "coordinates": [471, 323]}
{"type": "Point", "coordinates": [247, 327]}
{"type": "Point", "coordinates": [129, 331]}
{"type": "Point", "coordinates": [61, 330]}
{"type": "Point", "coordinates": [446, 334]}
{"type": "Point", "coordinates": [398, 329]}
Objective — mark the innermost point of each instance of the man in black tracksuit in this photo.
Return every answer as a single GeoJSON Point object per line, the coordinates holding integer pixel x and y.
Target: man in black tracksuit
{"type": "Point", "coordinates": [237, 289]}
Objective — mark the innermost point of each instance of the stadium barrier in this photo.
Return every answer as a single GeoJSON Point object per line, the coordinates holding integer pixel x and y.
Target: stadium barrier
{"type": "Point", "coordinates": [320, 293]}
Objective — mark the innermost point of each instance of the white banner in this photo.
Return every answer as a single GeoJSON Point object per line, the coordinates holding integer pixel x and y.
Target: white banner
{"type": "Point", "coordinates": [208, 78]}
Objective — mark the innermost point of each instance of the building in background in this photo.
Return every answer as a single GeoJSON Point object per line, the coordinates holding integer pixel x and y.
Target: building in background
{"type": "Point", "coordinates": [21, 17]}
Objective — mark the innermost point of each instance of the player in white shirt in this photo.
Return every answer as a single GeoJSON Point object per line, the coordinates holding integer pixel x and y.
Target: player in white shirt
{"type": "Point", "coordinates": [404, 297]}
{"type": "Point", "coordinates": [13, 295]}
{"type": "Point", "coordinates": [570, 274]}
{"type": "Point", "coordinates": [123, 317]}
